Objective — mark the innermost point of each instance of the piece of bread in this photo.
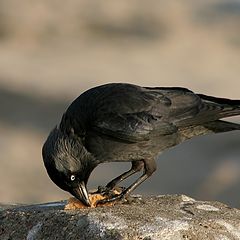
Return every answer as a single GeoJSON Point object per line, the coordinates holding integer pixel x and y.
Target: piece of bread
{"type": "Point", "coordinates": [74, 203]}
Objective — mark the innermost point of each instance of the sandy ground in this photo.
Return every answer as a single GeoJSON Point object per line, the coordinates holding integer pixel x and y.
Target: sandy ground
{"type": "Point", "coordinates": [51, 52]}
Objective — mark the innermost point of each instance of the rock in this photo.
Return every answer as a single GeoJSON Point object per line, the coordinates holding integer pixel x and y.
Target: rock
{"type": "Point", "coordinates": [163, 217]}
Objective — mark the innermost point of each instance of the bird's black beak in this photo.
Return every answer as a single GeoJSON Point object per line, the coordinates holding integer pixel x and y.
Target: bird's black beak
{"type": "Point", "coordinates": [80, 192]}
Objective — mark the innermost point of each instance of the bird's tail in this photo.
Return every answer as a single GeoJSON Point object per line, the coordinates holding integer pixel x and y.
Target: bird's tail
{"type": "Point", "coordinates": [217, 126]}
{"type": "Point", "coordinates": [221, 126]}
{"type": "Point", "coordinates": [212, 109]}
{"type": "Point", "coordinates": [223, 107]}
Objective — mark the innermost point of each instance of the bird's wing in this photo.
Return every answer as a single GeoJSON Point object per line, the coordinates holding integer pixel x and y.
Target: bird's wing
{"type": "Point", "coordinates": [132, 127]}
{"type": "Point", "coordinates": [134, 114]}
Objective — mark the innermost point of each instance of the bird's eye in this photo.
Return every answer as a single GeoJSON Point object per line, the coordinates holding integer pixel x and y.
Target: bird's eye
{"type": "Point", "coordinates": [72, 177]}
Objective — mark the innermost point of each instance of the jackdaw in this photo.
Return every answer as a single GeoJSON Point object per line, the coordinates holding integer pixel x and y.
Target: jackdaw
{"type": "Point", "coordinates": [121, 122]}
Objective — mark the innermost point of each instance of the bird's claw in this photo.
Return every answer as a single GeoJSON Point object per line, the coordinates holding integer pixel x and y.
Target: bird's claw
{"type": "Point", "coordinates": [112, 195]}
{"type": "Point", "coordinates": [110, 192]}
{"type": "Point", "coordinates": [113, 198]}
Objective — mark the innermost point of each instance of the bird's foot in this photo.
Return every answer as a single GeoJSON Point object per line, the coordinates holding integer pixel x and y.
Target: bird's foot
{"type": "Point", "coordinates": [112, 197]}
{"type": "Point", "coordinates": [106, 191]}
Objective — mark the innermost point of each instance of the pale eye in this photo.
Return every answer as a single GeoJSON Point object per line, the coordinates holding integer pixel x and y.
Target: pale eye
{"type": "Point", "coordinates": [72, 177]}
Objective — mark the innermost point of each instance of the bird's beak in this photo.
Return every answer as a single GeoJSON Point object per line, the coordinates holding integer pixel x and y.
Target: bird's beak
{"type": "Point", "coordinates": [80, 192]}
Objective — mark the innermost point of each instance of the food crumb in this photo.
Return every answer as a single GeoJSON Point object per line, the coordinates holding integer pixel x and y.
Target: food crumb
{"type": "Point", "coordinates": [74, 203]}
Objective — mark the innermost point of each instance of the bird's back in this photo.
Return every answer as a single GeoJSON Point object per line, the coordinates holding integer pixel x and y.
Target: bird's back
{"type": "Point", "coordinates": [133, 113]}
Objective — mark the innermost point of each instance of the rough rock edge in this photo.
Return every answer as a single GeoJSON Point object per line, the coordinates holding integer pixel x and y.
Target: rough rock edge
{"type": "Point", "coordinates": [160, 217]}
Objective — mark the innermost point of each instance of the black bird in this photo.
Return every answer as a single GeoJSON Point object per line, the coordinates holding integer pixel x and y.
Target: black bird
{"type": "Point", "coordinates": [120, 122]}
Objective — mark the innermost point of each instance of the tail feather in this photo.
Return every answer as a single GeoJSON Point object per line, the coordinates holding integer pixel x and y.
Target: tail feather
{"type": "Point", "coordinates": [221, 101]}
{"type": "Point", "coordinates": [221, 126]}
{"type": "Point", "coordinates": [220, 107]}
{"type": "Point", "coordinates": [212, 109]}
{"type": "Point", "coordinates": [217, 126]}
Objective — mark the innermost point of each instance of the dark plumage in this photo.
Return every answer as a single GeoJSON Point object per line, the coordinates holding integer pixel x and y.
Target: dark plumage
{"type": "Point", "coordinates": [128, 123]}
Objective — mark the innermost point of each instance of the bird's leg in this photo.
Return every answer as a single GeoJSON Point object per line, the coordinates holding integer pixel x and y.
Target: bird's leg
{"type": "Point", "coordinates": [136, 167]}
{"type": "Point", "coordinates": [149, 168]}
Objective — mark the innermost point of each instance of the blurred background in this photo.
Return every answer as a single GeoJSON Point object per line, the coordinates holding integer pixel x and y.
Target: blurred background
{"type": "Point", "coordinates": [51, 51]}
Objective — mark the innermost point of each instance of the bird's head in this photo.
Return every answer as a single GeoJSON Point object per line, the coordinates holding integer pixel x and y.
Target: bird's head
{"type": "Point", "coordinates": [68, 163]}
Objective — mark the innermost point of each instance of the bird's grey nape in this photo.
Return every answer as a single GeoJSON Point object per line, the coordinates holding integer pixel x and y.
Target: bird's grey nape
{"type": "Point", "coordinates": [63, 151]}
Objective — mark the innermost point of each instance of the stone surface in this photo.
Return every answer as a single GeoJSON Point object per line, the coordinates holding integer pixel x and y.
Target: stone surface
{"type": "Point", "coordinates": [164, 217]}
